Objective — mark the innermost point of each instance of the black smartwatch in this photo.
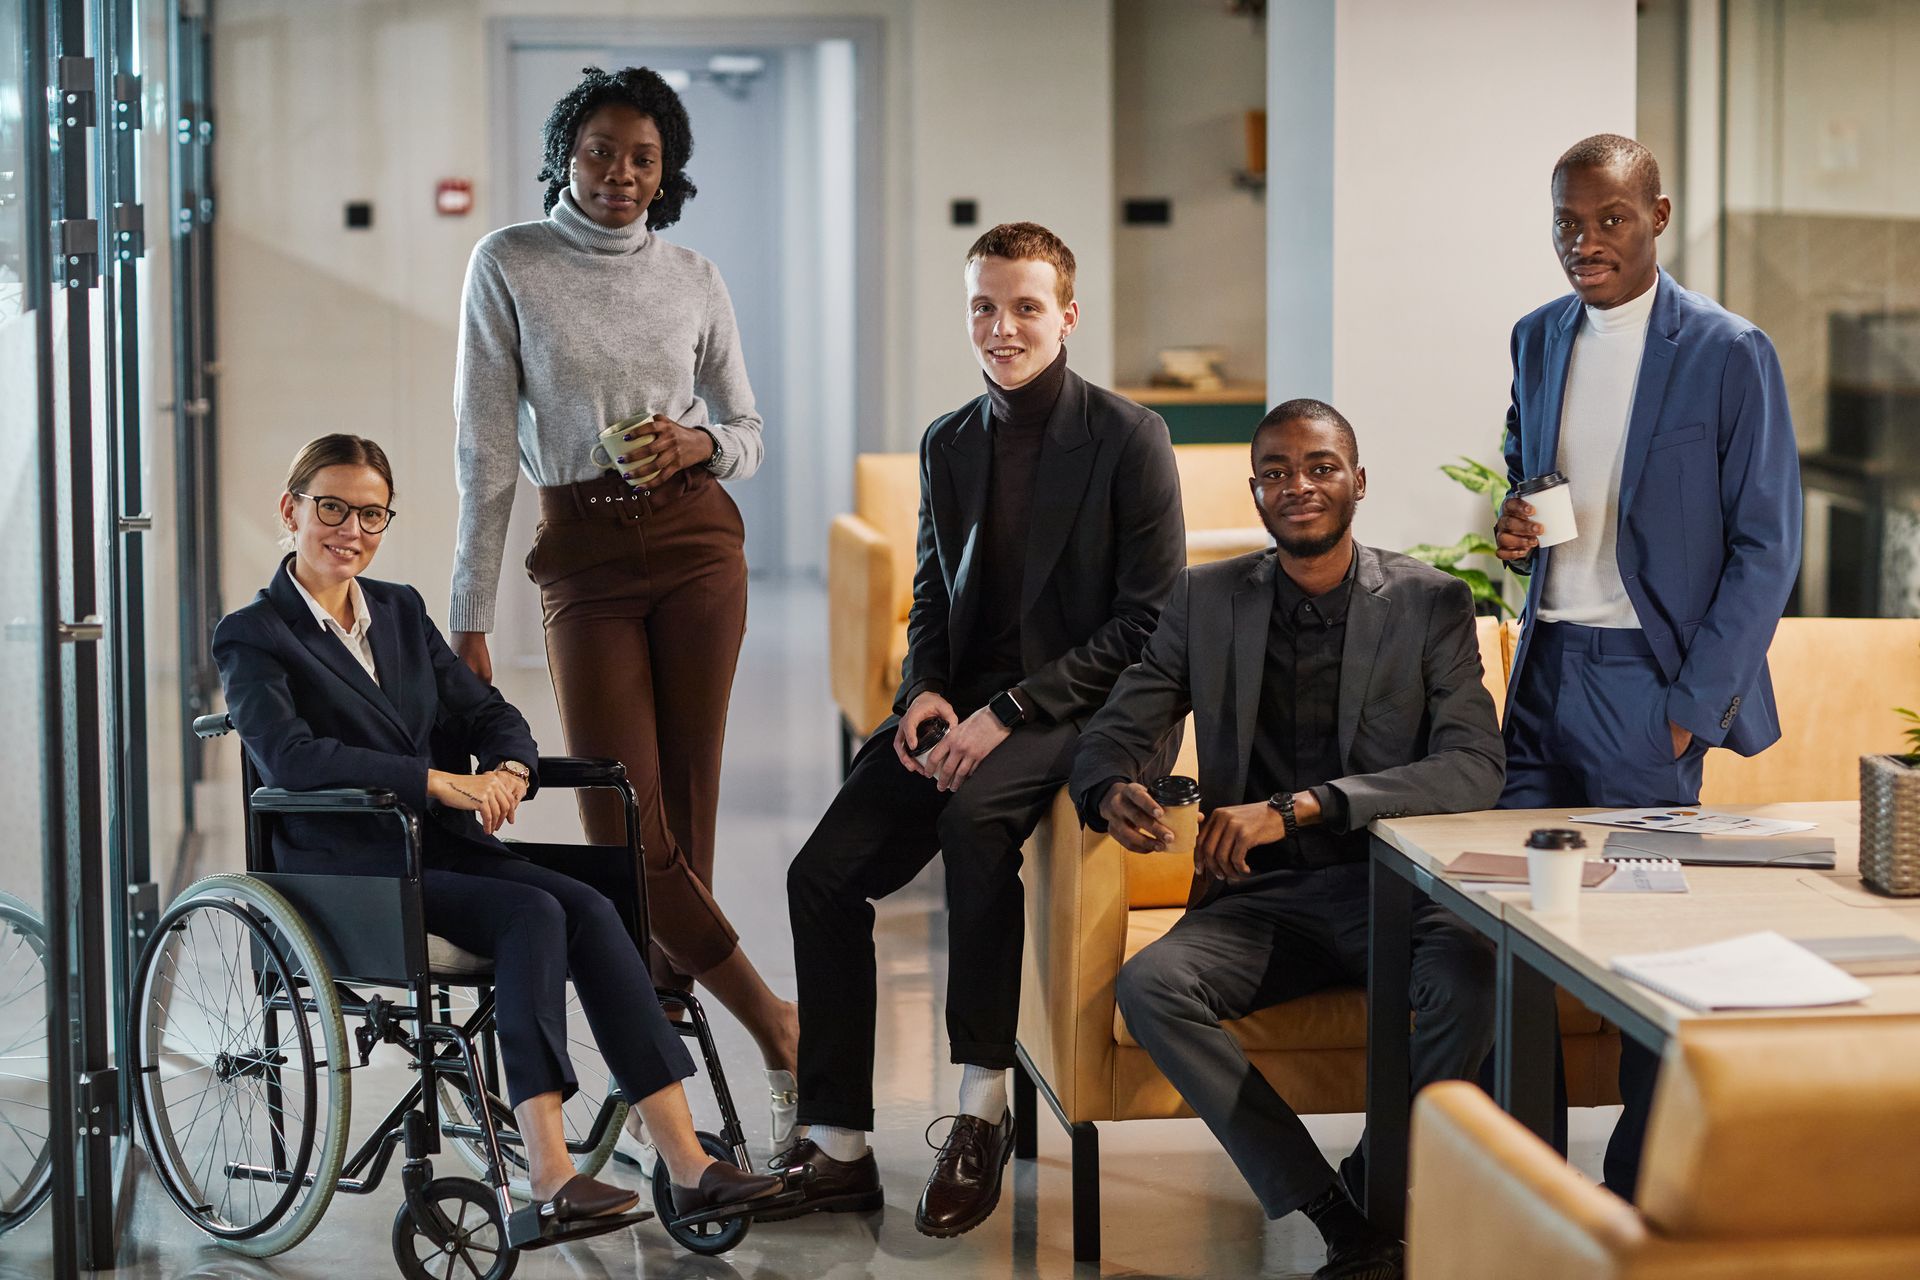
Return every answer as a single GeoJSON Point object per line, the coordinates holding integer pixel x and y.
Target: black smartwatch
{"type": "Point", "coordinates": [1007, 710]}
{"type": "Point", "coordinates": [1283, 801]}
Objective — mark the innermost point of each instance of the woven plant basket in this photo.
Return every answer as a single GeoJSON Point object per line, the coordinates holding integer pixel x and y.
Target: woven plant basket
{"type": "Point", "coordinates": [1890, 824]}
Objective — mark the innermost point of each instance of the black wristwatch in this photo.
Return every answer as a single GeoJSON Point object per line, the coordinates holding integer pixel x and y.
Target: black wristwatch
{"type": "Point", "coordinates": [1007, 710]}
{"type": "Point", "coordinates": [1283, 801]}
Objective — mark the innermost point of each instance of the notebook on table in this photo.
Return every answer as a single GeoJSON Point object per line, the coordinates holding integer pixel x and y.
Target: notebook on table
{"type": "Point", "coordinates": [1811, 852]}
{"type": "Point", "coordinates": [1754, 971]}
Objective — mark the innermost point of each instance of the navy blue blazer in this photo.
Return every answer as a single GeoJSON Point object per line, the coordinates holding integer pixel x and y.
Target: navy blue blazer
{"type": "Point", "coordinates": [310, 717]}
{"type": "Point", "coordinates": [1710, 507]}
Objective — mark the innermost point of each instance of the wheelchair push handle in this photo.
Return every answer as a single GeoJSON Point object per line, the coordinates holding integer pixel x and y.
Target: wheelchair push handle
{"type": "Point", "coordinates": [217, 725]}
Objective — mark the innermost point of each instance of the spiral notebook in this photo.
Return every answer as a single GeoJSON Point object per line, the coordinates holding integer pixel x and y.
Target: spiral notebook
{"type": "Point", "coordinates": [1636, 874]}
{"type": "Point", "coordinates": [1754, 971]}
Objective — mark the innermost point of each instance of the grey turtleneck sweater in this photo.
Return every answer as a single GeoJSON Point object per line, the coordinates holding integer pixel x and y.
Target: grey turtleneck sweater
{"type": "Point", "coordinates": [566, 327]}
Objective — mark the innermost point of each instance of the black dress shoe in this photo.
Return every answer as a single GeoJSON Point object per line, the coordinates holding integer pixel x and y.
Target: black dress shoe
{"type": "Point", "coordinates": [723, 1187]}
{"type": "Point", "coordinates": [1377, 1259]}
{"type": "Point", "coordinates": [828, 1185]}
{"type": "Point", "coordinates": [584, 1197]}
{"type": "Point", "coordinates": [965, 1184]}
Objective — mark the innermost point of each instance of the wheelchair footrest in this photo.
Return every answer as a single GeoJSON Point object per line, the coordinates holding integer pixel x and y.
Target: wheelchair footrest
{"type": "Point", "coordinates": [723, 1213]}
{"type": "Point", "coordinates": [526, 1229]}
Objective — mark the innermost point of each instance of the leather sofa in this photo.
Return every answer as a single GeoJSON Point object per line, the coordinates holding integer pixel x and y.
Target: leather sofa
{"type": "Point", "coordinates": [1785, 1149]}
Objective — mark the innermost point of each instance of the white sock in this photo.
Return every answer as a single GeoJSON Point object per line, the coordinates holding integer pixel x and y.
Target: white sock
{"type": "Point", "coordinates": [844, 1145]}
{"type": "Point", "coordinates": [983, 1092]}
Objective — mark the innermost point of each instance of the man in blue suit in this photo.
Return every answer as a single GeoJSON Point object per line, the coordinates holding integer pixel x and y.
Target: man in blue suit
{"type": "Point", "coordinates": [1644, 639]}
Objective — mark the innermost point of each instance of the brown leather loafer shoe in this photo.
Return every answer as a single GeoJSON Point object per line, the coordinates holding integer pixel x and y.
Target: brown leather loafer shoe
{"type": "Point", "coordinates": [724, 1187]}
{"type": "Point", "coordinates": [584, 1197]}
{"type": "Point", "coordinates": [830, 1186]}
{"type": "Point", "coordinates": [965, 1185]}
{"type": "Point", "coordinates": [1381, 1259]}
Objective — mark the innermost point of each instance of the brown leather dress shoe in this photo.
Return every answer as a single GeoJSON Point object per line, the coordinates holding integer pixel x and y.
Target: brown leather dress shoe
{"type": "Point", "coordinates": [830, 1186]}
{"type": "Point", "coordinates": [584, 1197]}
{"type": "Point", "coordinates": [723, 1187]}
{"type": "Point", "coordinates": [965, 1185]}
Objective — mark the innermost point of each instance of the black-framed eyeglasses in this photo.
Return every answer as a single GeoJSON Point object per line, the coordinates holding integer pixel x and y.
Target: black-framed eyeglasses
{"type": "Point", "coordinates": [332, 511]}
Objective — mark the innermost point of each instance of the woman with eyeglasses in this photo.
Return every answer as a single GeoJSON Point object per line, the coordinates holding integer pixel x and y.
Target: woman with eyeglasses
{"type": "Point", "coordinates": [572, 325]}
{"type": "Point", "coordinates": [336, 680]}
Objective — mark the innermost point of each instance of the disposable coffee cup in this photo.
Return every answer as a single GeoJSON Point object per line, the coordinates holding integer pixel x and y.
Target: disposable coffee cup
{"type": "Point", "coordinates": [1555, 862]}
{"type": "Point", "coordinates": [612, 443]}
{"type": "Point", "coordinates": [926, 737]}
{"type": "Point", "coordinates": [1179, 801]}
{"type": "Point", "coordinates": [1551, 498]}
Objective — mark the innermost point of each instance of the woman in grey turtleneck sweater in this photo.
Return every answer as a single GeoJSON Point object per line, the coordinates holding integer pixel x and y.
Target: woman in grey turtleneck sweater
{"type": "Point", "coordinates": [570, 325]}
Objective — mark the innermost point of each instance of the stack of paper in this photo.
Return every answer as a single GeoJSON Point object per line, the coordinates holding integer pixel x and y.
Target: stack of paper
{"type": "Point", "coordinates": [1756, 971]}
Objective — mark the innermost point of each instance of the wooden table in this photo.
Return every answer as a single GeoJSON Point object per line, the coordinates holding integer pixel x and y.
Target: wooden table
{"type": "Point", "coordinates": [1538, 953]}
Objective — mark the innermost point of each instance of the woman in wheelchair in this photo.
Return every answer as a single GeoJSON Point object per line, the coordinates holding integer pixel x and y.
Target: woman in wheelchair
{"type": "Point", "coordinates": [335, 680]}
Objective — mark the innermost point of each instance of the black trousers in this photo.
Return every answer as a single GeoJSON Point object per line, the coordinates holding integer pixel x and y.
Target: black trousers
{"type": "Point", "coordinates": [1285, 935]}
{"type": "Point", "coordinates": [541, 927]}
{"type": "Point", "coordinates": [884, 826]}
{"type": "Point", "coordinates": [1587, 725]}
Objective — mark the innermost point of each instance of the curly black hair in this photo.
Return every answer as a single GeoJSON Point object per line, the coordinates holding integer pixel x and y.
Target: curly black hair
{"type": "Point", "coordinates": [642, 89]}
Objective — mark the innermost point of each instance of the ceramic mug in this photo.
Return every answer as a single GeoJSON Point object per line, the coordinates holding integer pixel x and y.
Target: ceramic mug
{"type": "Point", "coordinates": [614, 442]}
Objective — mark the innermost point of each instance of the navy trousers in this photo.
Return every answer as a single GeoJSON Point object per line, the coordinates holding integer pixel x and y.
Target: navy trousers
{"type": "Point", "coordinates": [541, 927]}
{"type": "Point", "coordinates": [1587, 725]}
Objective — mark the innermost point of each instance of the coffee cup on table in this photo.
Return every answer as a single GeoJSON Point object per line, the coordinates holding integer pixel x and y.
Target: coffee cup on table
{"type": "Point", "coordinates": [625, 438]}
{"type": "Point", "coordinates": [1179, 801]}
{"type": "Point", "coordinates": [1555, 864]}
{"type": "Point", "coordinates": [1551, 498]}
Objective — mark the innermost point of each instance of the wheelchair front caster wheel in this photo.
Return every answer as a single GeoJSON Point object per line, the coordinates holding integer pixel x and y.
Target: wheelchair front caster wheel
{"type": "Point", "coordinates": [465, 1239]}
{"type": "Point", "coordinates": [706, 1238]}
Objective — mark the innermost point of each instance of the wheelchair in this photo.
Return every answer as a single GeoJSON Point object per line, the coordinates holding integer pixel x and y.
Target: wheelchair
{"type": "Point", "coordinates": [26, 1163]}
{"type": "Point", "coordinates": [238, 1039]}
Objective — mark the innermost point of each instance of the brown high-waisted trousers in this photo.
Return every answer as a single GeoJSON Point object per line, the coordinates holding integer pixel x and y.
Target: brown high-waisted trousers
{"type": "Point", "coordinates": [645, 603]}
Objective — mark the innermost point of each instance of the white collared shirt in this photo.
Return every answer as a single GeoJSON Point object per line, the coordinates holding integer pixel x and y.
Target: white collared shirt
{"type": "Point", "coordinates": [356, 637]}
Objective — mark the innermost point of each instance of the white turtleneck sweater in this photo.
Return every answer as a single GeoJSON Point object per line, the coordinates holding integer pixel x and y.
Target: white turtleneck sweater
{"type": "Point", "coordinates": [566, 327]}
{"type": "Point", "coordinates": [1583, 576]}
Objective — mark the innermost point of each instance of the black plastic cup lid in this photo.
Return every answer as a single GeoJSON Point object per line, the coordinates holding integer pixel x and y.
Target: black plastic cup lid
{"type": "Point", "coordinates": [1175, 789]}
{"type": "Point", "coordinates": [928, 733]}
{"type": "Point", "coordinates": [1538, 483]}
{"type": "Point", "coordinates": [1556, 838]}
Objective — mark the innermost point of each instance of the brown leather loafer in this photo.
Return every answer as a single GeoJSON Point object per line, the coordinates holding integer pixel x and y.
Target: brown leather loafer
{"type": "Point", "coordinates": [830, 1186]}
{"type": "Point", "coordinates": [965, 1184]}
{"type": "Point", "coordinates": [584, 1197]}
{"type": "Point", "coordinates": [724, 1187]}
{"type": "Point", "coordinates": [1381, 1259]}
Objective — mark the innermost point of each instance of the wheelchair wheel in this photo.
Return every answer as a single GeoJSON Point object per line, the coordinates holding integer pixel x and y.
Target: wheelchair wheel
{"type": "Point", "coordinates": [698, 1237]}
{"type": "Point", "coordinates": [590, 1137]}
{"type": "Point", "coordinates": [26, 1165]}
{"type": "Point", "coordinates": [240, 1060]}
{"type": "Point", "coordinates": [466, 1241]}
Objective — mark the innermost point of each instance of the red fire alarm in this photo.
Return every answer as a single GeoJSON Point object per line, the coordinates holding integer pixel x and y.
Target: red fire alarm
{"type": "Point", "coordinates": [454, 198]}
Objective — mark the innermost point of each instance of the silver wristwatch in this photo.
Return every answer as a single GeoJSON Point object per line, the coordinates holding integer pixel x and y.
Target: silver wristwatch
{"type": "Point", "coordinates": [518, 770]}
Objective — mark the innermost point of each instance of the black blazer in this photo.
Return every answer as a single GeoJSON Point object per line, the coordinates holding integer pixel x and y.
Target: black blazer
{"type": "Point", "coordinates": [1416, 725]}
{"type": "Point", "coordinates": [310, 717]}
{"type": "Point", "coordinates": [1107, 540]}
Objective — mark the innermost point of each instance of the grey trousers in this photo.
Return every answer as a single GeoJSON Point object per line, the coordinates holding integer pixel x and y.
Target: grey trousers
{"type": "Point", "coordinates": [1276, 937]}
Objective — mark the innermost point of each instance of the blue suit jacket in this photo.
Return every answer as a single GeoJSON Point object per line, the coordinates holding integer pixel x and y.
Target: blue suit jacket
{"type": "Point", "coordinates": [1710, 506]}
{"type": "Point", "coordinates": [310, 717]}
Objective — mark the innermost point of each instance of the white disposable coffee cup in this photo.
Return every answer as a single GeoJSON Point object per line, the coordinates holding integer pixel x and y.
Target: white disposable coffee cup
{"type": "Point", "coordinates": [1556, 858]}
{"type": "Point", "coordinates": [1551, 498]}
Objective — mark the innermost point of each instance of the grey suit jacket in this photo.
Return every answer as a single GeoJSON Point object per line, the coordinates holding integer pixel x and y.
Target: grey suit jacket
{"type": "Point", "coordinates": [1417, 729]}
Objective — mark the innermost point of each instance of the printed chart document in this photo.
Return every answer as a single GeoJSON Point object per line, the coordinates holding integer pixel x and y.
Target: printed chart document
{"type": "Point", "coordinates": [1754, 971]}
{"type": "Point", "coordinates": [1696, 820]}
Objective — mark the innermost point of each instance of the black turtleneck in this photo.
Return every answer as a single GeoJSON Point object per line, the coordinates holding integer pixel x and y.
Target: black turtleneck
{"type": "Point", "coordinates": [1017, 423]}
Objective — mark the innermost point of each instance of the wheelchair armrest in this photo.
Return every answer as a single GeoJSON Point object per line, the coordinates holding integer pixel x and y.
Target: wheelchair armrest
{"type": "Point", "coordinates": [580, 771]}
{"type": "Point", "coordinates": [217, 725]}
{"type": "Point", "coordinates": [344, 801]}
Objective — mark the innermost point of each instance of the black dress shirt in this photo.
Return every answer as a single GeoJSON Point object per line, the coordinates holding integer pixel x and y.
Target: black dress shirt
{"type": "Point", "coordinates": [1296, 741]}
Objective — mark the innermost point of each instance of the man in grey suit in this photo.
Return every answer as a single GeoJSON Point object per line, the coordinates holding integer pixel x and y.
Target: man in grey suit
{"type": "Point", "coordinates": [1331, 684]}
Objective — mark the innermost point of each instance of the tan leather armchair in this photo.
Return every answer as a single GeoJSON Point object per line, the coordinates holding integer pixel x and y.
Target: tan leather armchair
{"type": "Point", "coordinates": [870, 561]}
{"type": "Point", "coordinates": [1091, 906]}
{"type": "Point", "coordinates": [1784, 1150]}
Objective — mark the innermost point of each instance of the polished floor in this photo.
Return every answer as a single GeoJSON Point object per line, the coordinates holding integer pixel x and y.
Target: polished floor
{"type": "Point", "coordinates": [1173, 1205]}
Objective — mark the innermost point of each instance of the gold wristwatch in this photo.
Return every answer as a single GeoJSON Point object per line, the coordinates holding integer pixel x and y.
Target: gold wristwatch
{"type": "Point", "coordinates": [518, 770]}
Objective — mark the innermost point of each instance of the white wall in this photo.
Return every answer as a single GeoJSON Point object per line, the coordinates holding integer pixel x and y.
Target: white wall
{"type": "Point", "coordinates": [1186, 72]}
{"type": "Point", "coordinates": [325, 329]}
{"type": "Point", "coordinates": [1446, 122]}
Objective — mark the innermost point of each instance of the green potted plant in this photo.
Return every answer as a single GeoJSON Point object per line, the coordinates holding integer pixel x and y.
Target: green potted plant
{"type": "Point", "coordinates": [1489, 589]}
{"type": "Point", "coordinates": [1890, 816]}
